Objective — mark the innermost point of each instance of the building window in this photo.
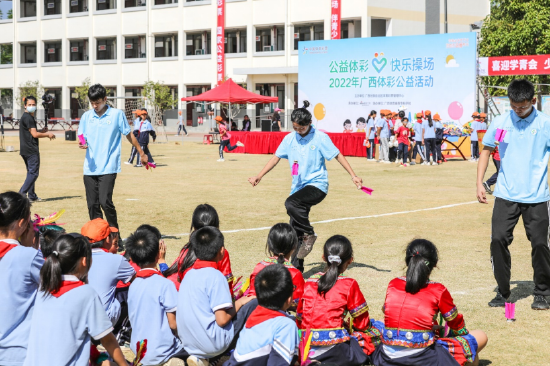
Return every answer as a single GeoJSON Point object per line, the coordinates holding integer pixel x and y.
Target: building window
{"type": "Point", "coordinates": [235, 41]}
{"type": "Point", "coordinates": [52, 7]}
{"type": "Point", "coordinates": [174, 94]}
{"type": "Point", "coordinates": [378, 27]}
{"type": "Point", "coordinates": [192, 109]}
{"type": "Point", "coordinates": [52, 51]}
{"type": "Point", "coordinates": [134, 47]}
{"type": "Point", "coordinates": [198, 43]}
{"type": "Point", "coordinates": [6, 54]}
{"type": "Point", "coordinates": [28, 8]}
{"type": "Point", "coordinates": [134, 3]}
{"type": "Point", "coordinates": [79, 50]}
{"type": "Point", "coordinates": [28, 53]}
{"type": "Point", "coordinates": [166, 45]}
{"type": "Point", "coordinates": [308, 32]}
{"type": "Point", "coordinates": [78, 6]}
{"type": "Point", "coordinates": [351, 29]}
{"type": "Point", "coordinates": [106, 4]}
{"type": "Point", "coordinates": [270, 39]}
{"type": "Point", "coordinates": [165, 2]}
{"type": "Point", "coordinates": [106, 49]}
{"type": "Point", "coordinates": [6, 11]}
{"type": "Point", "coordinates": [54, 109]}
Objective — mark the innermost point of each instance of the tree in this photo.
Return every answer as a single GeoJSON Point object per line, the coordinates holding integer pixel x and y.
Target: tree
{"type": "Point", "coordinates": [160, 98]}
{"type": "Point", "coordinates": [6, 54]}
{"type": "Point", "coordinates": [30, 88]}
{"type": "Point", "coordinates": [10, 14]}
{"type": "Point", "coordinates": [516, 27]}
{"type": "Point", "coordinates": [82, 94]}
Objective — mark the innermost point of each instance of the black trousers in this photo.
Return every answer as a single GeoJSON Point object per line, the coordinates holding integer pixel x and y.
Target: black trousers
{"type": "Point", "coordinates": [418, 150]}
{"type": "Point", "coordinates": [32, 162]}
{"type": "Point", "coordinates": [403, 152]}
{"type": "Point", "coordinates": [475, 150]}
{"type": "Point", "coordinates": [298, 206]}
{"type": "Point", "coordinates": [535, 220]}
{"type": "Point", "coordinates": [99, 195]}
{"type": "Point", "coordinates": [493, 180]}
{"type": "Point", "coordinates": [133, 154]}
{"type": "Point", "coordinates": [430, 148]}
{"type": "Point", "coordinates": [226, 143]}
{"type": "Point", "coordinates": [370, 149]}
{"type": "Point", "coordinates": [145, 149]}
{"type": "Point", "coordinates": [438, 144]}
{"type": "Point", "coordinates": [181, 127]}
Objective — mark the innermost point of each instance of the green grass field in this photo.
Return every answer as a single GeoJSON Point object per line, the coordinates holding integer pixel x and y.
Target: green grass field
{"type": "Point", "coordinates": [407, 203]}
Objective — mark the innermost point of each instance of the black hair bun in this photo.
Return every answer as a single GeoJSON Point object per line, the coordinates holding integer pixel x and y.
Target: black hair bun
{"type": "Point", "coordinates": [306, 104]}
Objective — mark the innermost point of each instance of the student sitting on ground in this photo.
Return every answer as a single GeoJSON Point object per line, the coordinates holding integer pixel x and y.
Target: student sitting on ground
{"type": "Point", "coordinates": [204, 215]}
{"type": "Point", "coordinates": [68, 313]}
{"type": "Point", "coordinates": [411, 304]}
{"type": "Point", "coordinates": [48, 235]}
{"type": "Point", "coordinates": [281, 243]}
{"type": "Point", "coordinates": [270, 336]}
{"type": "Point", "coordinates": [327, 296]}
{"type": "Point", "coordinates": [20, 266]}
{"type": "Point", "coordinates": [205, 306]}
{"type": "Point", "coordinates": [152, 304]}
{"type": "Point", "coordinates": [108, 268]}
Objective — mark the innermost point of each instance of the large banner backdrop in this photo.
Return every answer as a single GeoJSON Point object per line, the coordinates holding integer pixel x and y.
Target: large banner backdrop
{"type": "Point", "coordinates": [346, 79]}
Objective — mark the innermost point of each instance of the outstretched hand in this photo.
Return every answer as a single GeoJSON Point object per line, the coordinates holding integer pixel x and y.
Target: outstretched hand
{"type": "Point", "coordinates": [358, 182]}
{"type": "Point", "coordinates": [254, 181]}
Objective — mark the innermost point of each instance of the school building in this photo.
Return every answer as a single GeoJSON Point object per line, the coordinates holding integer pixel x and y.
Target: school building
{"type": "Point", "coordinates": [124, 43]}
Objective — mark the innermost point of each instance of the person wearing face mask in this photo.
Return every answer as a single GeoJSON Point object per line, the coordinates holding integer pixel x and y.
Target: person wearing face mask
{"type": "Point", "coordinates": [28, 147]}
{"type": "Point", "coordinates": [522, 136]}
{"type": "Point", "coordinates": [102, 127]}
{"type": "Point", "coordinates": [308, 148]}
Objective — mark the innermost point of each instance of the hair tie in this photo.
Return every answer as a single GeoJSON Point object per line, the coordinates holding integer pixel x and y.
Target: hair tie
{"type": "Point", "coordinates": [427, 263]}
{"type": "Point", "coordinates": [55, 253]}
{"type": "Point", "coordinates": [1, 209]}
{"type": "Point", "coordinates": [334, 259]}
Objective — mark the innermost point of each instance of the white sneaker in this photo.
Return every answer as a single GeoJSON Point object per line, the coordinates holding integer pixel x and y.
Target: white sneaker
{"type": "Point", "coordinates": [425, 163]}
{"type": "Point", "coordinates": [240, 144]}
{"type": "Point", "coordinates": [127, 163]}
{"type": "Point", "coordinates": [195, 361]}
{"type": "Point", "coordinates": [434, 163]}
{"type": "Point", "coordinates": [221, 160]}
{"type": "Point", "coordinates": [386, 161]}
{"type": "Point", "coordinates": [174, 362]}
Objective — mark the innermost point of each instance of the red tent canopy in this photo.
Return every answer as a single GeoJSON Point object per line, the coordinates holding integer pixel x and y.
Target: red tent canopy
{"type": "Point", "coordinates": [229, 92]}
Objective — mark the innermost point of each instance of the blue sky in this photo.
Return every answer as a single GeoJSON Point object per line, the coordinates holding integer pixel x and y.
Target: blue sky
{"type": "Point", "coordinates": [5, 6]}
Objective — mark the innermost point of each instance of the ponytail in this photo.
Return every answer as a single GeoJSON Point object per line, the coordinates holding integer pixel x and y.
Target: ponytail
{"type": "Point", "coordinates": [430, 122]}
{"type": "Point", "coordinates": [190, 258]}
{"type": "Point", "coordinates": [281, 241]}
{"type": "Point", "coordinates": [337, 252]}
{"type": "Point", "coordinates": [301, 116]}
{"type": "Point", "coordinates": [64, 259]}
{"type": "Point", "coordinates": [421, 258]}
{"type": "Point", "coordinates": [13, 207]}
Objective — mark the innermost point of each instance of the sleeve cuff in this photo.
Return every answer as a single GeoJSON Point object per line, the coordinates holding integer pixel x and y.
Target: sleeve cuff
{"type": "Point", "coordinates": [335, 155]}
{"type": "Point", "coordinates": [129, 278]}
{"type": "Point", "coordinates": [102, 334]}
{"type": "Point", "coordinates": [163, 267]}
{"type": "Point", "coordinates": [173, 310]}
{"type": "Point", "coordinates": [227, 305]}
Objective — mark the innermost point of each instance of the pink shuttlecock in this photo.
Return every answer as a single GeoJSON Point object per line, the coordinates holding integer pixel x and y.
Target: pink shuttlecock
{"type": "Point", "coordinates": [367, 190]}
{"type": "Point", "coordinates": [295, 168]}
{"type": "Point", "coordinates": [500, 134]}
{"type": "Point", "coordinates": [82, 140]}
{"type": "Point", "coordinates": [150, 165]}
{"type": "Point", "coordinates": [510, 311]}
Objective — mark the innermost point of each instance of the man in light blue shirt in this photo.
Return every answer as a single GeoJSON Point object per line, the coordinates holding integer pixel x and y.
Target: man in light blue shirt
{"type": "Point", "coordinates": [370, 134]}
{"type": "Point", "coordinates": [523, 139]}
{"type": "Point", "coordinates": [308, 149]}
{"type": "Point", "coordinates": [383, 130]}
{"type": "Point", "coordinates": [102, 127]}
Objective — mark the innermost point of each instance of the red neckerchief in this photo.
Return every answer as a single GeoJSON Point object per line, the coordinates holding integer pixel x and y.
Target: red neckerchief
{"type": "Point", "coordinates": [67, 286]}
{"type": "Point", "coordinates": [260, 315]}
{"type": "Point", "coordinates": [201, 264]}
{"type": "Point", "coordinates": [147, 272]}
{"type": "Point", "coordinates": [5, 248]}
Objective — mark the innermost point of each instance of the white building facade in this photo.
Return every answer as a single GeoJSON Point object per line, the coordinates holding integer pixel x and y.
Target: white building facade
{"type": "Point", "coordinates": [124, 43]}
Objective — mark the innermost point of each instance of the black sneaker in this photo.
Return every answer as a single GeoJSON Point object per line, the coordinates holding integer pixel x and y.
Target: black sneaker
{"type": "Point", "coordinates": [300, 265]}
{"type": "Point", "coordinates": [120, 245]}
{"type": "Point", "coordinates": [498, 301]}
{"type": "Point", "coordinates": [487, 188]}
{"type": "Point", "coordinates": [540, 303]}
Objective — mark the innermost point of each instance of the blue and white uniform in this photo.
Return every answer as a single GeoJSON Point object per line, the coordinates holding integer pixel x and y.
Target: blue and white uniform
{"type": "Point", "coordinates": [62, 327]}
{"type": "Point", "coordinates": [106, 270]}
{"type": "Point", "coordinates": [19, 281]}
{"type": "Point", "coordinates": [273, 342]}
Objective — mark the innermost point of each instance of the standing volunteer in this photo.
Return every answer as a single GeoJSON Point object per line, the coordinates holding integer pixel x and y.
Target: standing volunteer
{"type": "Point", "coordinates": [308, 148]}
{"type": "Point", "coordinates": [28, 148]}
{"type": "Point", "coordinates": [102, 127]}
{"type": "Point", "coordinates": [521, 189]}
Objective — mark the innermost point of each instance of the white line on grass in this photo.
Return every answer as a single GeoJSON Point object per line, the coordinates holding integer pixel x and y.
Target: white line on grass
{"type": "Point", "coordinates": [353, 218]}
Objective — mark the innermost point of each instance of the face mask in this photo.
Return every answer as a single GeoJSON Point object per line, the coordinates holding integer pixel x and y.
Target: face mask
{"type": "Point", "coordinates": [31, 109]}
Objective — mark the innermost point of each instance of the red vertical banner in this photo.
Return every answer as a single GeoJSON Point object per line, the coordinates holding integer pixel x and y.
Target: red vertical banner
{"type": "Point", "coordinates": [335, 21]}
{"type": "Point", "coordinates": [220, 42]}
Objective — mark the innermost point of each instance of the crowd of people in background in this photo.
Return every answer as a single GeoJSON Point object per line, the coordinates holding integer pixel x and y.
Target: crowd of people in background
{"type": "Point", "coordinates": [77, 293]}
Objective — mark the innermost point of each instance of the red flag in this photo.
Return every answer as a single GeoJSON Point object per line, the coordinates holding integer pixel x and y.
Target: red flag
{"type": "Point", "coordinates": [335, 21]}
{"type": "Point", "coordinates": [220, 42]}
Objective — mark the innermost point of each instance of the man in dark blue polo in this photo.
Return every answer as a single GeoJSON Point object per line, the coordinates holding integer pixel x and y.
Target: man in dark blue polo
{"type": "Point", "coordinates": [521, 189]}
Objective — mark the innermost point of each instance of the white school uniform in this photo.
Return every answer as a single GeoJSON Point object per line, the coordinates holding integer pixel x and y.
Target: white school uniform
{"type": "Point", "coordinates": [19, 281]}
{"type": "Point", "coordinates": [62, 327]}
{"type": "Point", "coordinates": [149, 299]}
{"type": "Point", "coordinates": [106, 270]}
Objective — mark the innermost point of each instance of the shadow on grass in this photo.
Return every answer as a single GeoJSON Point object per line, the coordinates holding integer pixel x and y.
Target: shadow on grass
{"type": "Point", "coordinates": [171, 237]}
{"type": "Point", "coordinates": [59, 198]}
{"type": "Point", "coordinates": [485, 362]}
{"type": "Point", "coordinates": [320, 267]}
{"type": "Point", "coordinates": [523, 290]}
